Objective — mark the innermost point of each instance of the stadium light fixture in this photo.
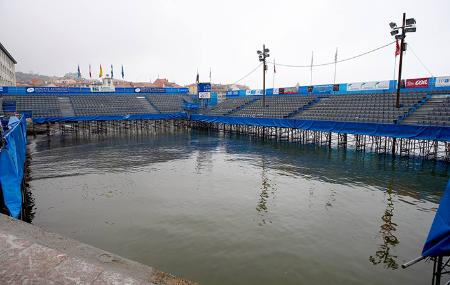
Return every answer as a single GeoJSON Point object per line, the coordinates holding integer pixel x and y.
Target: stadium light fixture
{"type": "Point", "coordinates": [262, 55]}
{"type": "Point", "coordinates": [408, 26]}
{"type": "Point", "coordinates": [410, 21]}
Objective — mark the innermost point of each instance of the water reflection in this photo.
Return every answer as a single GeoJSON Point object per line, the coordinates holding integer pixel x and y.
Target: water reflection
{"type": "Point", "coordinates": [267, 188]}
{"type": "Point", "coordinates": [387, 230]}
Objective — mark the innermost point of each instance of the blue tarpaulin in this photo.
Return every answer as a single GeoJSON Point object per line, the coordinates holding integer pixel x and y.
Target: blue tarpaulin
{"type": "Point", "coordinates": [372, 129]}
{"type": "Point", "coordinates": [438, 241]}
{"type": "Point", "coordinates": [168, 116]}
{"type": "Point", "coordinates": [12, 163]}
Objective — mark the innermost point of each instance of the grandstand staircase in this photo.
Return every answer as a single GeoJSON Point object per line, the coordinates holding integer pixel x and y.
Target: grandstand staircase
{"type": "Point", "coordinates": [422, 112]}
{"type": "Point", "coordinates": [148, 105]}
{"type": "Point", "coordinates": [244, 105]}
{"type": "Point", "coordinates": [304, 108]}
{"type": "Point", "coordinates": [65, 106]}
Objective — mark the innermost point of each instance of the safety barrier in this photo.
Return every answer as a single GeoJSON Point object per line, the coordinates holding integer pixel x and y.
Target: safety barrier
{"type": "Point", "coordinates": [12, 164]}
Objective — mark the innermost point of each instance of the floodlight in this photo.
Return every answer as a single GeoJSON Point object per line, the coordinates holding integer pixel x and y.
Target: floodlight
{"type": "Point", "coordinates": [267, 55]}
{"type": "Point", "coordinates": [392, 25]}
{"type": "Point", "coordinates": [259, 52]}
{"type": "Point", "coordinates": [410, 21]}
{"type": "Point", "coordinates": [266, 50]}
{"type": "Point", "coordinates": [399, 37]}
{"type": "Point", "coordinates": [410, 30]}
{"type": "Point", "coordinates": [394, 32]}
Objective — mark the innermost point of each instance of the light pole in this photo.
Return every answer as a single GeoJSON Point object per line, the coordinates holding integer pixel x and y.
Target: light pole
{"type": "Point", "coordinates": [408, 26]}
{"type": "Point", "coordinates": [262, 57]}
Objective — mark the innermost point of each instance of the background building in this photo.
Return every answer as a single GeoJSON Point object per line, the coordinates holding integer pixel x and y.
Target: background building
{"type": "Point", "coordinates": [7, 68]}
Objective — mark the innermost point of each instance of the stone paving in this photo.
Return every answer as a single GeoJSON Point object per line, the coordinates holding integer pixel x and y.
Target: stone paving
{"type": "Point", "coordinates": [29, 255]}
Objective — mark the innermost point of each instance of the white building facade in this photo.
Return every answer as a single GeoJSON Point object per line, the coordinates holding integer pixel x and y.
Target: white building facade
{"type": "Point", "coordinates": [7, 68]}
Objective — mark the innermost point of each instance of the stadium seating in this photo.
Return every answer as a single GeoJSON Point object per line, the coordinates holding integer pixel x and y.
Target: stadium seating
{"type": "Point", "coordinates": [39, 105]}
{"type": "Point", "coordinates": [168, 103]}
{"type": "Point", "coordinates": [436, 111]}
{"type": "Point", "coordinates": [275, 106]}
{"type": "Point", "coordinates": [230, 105]}
{"type": "Point", "coordinates": [92, 105]}
{"type": "Point", "coordinates": [375, 107]}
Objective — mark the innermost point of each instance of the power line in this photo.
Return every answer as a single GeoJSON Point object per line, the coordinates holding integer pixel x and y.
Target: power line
{"type": "Point", "coordinates": [334, 62]}
{"type": "Point", "coordinates": [248, 74]}
{"type": "Point", "coordinates": [423, 65]}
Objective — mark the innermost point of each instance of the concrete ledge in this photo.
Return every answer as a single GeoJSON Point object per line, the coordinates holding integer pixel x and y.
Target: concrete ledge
{"type": "Point", "coordinates": [30, 255]}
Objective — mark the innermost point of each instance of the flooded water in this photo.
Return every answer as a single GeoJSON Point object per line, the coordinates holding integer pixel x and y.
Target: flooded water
{"type": "Point", "coordinates": [231, 210]}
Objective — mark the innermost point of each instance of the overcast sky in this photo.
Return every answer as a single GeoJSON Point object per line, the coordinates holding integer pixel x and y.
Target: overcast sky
{"type": "Point", "coordinates": [172, 38]}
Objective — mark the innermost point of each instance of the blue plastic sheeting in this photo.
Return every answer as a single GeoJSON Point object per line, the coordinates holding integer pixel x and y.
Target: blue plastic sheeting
{"type": "Point", "coordinates": [169, 116]}
{"type": "Point", "coordinates": [12, 163]}
{"type": "Point", "coordinates": [438, 241]}
{"type": "Point", "coordinates": [372, 129]}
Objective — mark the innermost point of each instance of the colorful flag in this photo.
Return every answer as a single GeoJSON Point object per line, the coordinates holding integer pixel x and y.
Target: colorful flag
{"type": "Point", "coordinates": [123, 74]}
{"type": "Point", "coordinates": [397, 48]}
{"type": "Point", "coordinates": [90, 73]}
{"type": "Point", "coordinates": [112, 71]}
{"type": "Point", "coordinates": [100, 74]}
{"type": "Point", "coordinates": [79, 72]}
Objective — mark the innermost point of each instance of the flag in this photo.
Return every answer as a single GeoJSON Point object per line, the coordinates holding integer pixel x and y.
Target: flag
{"type": "Point", "coordinates": [100, 73]}
{"type": "Point", "coordinates": [112, 72]}
{"type": "Point", "coordinates": [79, 72]}
{"type": "Point", "coordinates": [335, 55]}
{"type": "Point", "coordinates": [90, 73]}
{"type": "Point", "coordinates": [274, 67]}
{"type": "Point", "coordinates": [397, 48]}
{"type": "Point", "coordinates": [197, 79]}
{"type": "Point", "coordinates": [210, 74]}
{"type": "Point", "coordinates": [123, 74]}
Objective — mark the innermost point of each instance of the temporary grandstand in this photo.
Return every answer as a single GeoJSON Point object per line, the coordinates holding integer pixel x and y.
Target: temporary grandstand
{"type": "Point", "coordinates": [363, 115]}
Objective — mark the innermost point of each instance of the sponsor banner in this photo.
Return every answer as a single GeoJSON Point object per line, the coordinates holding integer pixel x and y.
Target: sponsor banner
{"type": "Point", "coordinates": [101, 88]}
{"type": "Point", "coordinates": [323, 88]}
{"type": "Point", "coordinates": [310, 89]}
{"type": "Point", "coordinates": [248, 92]}
{"type": "Point", "coordinates": [276, 91]}
{"type": "Point", "coordinates": [256, 92]}
{"type": "Point", "coordinates": [443, 81]}
{"type": "Point", "coordinates": [372, 85]}
{"type": "Point", "coordinates": [149, 90]}
{"type": "Point", "coordinates": [48, 90]}
{"type": "Point", "coordinates": [204, 95]}
{"type": "Point", "coordinates": [1, 89]}
{"type": "Point", "coordinates": [336, 87]}
{"type": "Point", "coordinates": [417, 83]}
{"type": "Point", "coordinates": [290, 90]}
{"type": "Point", "coordinates": [204, 87]}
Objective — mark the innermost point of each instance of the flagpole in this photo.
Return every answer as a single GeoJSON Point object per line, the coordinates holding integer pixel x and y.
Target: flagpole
{"type": "Point", "coordinates": [335, 65]}
{"type": "Point", "coordinates": [274, 71]}
{"type": "Point", "coordinates": [312, 60]}
{"type": "Point", "coordinates": [395, 65]}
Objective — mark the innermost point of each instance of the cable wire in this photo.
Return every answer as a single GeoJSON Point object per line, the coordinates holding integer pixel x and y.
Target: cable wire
{"type": "Point", "coordinates": [333, 62]}
{"type": "Point", "coordinates": [423, 65]}
{"type": "Point", "coordinates": [247, 75]}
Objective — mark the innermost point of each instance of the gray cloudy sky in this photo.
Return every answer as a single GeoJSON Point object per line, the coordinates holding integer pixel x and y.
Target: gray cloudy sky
{"type": "Point", "coordinates": [172, 38]}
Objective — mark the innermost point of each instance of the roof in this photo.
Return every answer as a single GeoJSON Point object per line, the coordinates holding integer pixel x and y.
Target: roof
{"type": "Point", "coordinates": [7, 53]}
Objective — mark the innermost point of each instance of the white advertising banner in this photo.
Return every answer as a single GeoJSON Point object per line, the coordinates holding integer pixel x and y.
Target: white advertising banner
{"type": "Point", "coordinates": [204, 95]}
{"type": "Point", "coordinates": [372, 85]}
{"type": "Point", "coordinates": [443, 81]}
